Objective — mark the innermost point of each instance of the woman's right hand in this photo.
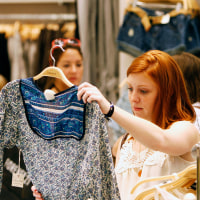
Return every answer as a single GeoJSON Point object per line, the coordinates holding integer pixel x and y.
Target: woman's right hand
{"type": "Point", "coordinates": [36, 194]}
{"type": "Point", "coordinates": [88, 93]}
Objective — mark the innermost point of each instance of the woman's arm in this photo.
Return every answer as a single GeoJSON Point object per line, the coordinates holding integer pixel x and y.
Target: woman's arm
{"type": "Point", "coordinates": [177, 140]}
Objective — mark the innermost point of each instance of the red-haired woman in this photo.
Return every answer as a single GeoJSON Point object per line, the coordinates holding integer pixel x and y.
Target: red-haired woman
{"type": "Point", "coordinates": [160, 133]}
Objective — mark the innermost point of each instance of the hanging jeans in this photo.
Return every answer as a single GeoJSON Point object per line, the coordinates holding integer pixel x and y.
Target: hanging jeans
{"type": "Point", "coordinates": [143, 30]}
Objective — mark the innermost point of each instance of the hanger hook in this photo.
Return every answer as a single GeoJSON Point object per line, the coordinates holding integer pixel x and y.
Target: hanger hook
{"type": "Point", "coordinates": [59, 44]}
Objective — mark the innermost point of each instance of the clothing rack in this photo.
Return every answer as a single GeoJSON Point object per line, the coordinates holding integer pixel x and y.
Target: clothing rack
{"type": "Point", "coordinates": [36, 1]}
{"type": "Point", "coordinates": [49, 17]}
{"type": "Point", "coordinates": [156, 5]}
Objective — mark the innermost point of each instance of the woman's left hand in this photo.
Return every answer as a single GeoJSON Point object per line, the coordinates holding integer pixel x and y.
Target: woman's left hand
{"type": "Point", "coordinates": [36, 194]}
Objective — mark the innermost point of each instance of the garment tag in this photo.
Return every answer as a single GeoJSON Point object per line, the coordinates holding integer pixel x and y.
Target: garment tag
{"type": "Point", "coordinates": [165, 19]}
{"type": "Point", "coordinates": [17, 180]}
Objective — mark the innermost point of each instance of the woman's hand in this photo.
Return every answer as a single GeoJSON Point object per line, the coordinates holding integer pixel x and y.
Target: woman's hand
{"type": "Point", "coordinates": [36, 194]}
{"type": "Point", "coordinates": [88, 93]}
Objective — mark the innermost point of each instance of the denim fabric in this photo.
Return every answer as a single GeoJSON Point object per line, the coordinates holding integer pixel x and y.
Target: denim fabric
{"type": "Point", "coordinates": [168, 37]}
{"type": "Point", "coordinates": [180, 34]}
{"type": "Point", "coordinates": [131, 35]}
{"type": "Point", "coordinates": [192, 40]}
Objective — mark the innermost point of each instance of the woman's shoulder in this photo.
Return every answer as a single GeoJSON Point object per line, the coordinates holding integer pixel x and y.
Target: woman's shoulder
{"type": "Point", "coordinates": [184, 123]}
{"type": "Point", "coordinates": [184, 127]}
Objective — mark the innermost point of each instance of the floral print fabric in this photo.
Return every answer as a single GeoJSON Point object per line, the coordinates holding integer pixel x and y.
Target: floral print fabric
{"type": "Point", "coordinates": [63, 168]}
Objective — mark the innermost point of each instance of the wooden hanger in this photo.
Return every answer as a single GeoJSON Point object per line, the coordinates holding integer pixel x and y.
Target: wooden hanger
{"type": "Point", "coordinates": [186, 4]}
{"type": "Point", "coordinates": [164, 4]}
{"type": "Point", "coordinates": [182, 179]}
{"type": "Point", "coordinates": [53, 71]}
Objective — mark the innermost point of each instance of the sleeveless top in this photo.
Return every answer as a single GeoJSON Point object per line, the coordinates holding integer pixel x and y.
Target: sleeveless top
{"type": "Point", "coordinates": [133, 166]}
{"type": "Point", "coordinates": [197, 110]}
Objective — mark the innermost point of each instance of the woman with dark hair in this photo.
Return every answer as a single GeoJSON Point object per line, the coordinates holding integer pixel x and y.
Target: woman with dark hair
{"type": "Point", "coordinates": [161, 133]}
{"type": "Point", "coordinates": [70, 61]}
{"type": "Point", "coordinates": [190, 66]}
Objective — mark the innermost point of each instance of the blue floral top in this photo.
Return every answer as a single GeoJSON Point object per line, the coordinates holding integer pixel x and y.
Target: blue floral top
{"type": "Point", "coordinates": [60, 167]}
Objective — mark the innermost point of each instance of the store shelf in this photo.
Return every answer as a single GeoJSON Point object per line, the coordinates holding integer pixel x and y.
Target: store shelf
{"type": "Point", "coordinates": [49, 17]}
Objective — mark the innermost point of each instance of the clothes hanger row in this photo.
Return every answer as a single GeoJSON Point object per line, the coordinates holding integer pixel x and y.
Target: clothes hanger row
{"type": "Point", "coordinates": [183, 179]}
{"type": "Point", "coordinates": [166, 4]}
{"type": "Point", "coordinates": [32, 31]}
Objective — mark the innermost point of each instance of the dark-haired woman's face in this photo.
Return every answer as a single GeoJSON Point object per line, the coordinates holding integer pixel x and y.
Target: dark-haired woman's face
{"type": "Point", "coordinates": [71, 63]}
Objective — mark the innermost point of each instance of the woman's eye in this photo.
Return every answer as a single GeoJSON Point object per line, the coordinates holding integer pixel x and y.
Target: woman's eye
{"type": "Point", "coordinates": [79, 65]}
{"type": "Point", "coordinates": [144, 91]}
{"type": "Point", "coordinates": [130, 89]}
{"type": "Point", "coordinates": [66, 65]}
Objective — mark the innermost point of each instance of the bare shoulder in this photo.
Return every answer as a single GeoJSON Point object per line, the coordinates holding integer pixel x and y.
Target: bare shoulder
{"type": "Point", "coordinates": [183, 124]}
{"type": "Point", "coordinates": [185, 127]}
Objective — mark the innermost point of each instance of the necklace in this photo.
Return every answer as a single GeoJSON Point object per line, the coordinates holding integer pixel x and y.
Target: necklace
{"type": "Point", "coordinates": [141, 155]}
{"type": "Point", "coordinates": [142, 158]}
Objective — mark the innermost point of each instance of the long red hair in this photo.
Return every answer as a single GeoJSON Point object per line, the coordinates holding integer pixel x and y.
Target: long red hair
{"type": "Point", "coordinates": [173, 103]}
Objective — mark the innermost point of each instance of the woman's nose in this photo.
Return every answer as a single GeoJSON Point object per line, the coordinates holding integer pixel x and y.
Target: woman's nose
{"type": "Point", "coordinates": [134, 97]}
{"type": "Point", "coordinates": [73, 68]}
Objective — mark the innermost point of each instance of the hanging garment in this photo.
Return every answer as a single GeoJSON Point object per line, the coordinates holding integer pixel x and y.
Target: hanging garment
{"type": "Point", "coordinates": [15, 52]}
{"type": "Point", "coordinates": [62, 117]}
{"type": "Point", "coordinates": [145, 29]}
{"type": "Point", "coordinates": [4, 57]}
{"type": "Point", "coordinates": [62, 167]}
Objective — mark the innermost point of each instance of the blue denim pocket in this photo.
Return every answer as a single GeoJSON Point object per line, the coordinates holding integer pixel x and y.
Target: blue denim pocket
{"type": "Point", "coordinates": [131, 35]}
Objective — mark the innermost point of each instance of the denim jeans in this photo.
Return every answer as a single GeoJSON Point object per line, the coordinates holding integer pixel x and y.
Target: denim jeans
{"type": "Point", "coordinates": [168, 37]}
{"type": "Point", "coordinates": [131, 35]}
{"type": "Point", "coordinates": [192, 39]}
{"type": "Point", "coordinates": [181, 33]}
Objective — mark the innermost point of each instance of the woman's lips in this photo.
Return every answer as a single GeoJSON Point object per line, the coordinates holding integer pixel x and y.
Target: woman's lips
{"type": "Point", "coordinates": [72, 79]}
{"type": "Point", "coordinates": [137, 109]}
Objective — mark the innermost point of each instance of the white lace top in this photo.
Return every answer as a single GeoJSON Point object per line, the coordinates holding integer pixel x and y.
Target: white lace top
{"type": "Point", "coordinates": [197, 110]}
{"type": "Point", "coordinates": [133, 166]}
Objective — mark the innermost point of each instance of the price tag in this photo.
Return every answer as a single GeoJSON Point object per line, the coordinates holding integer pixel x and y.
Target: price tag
{"type": "Point", "coordinates": [165, 19]}
{"type": "Point", "coordinates": [17, 180]}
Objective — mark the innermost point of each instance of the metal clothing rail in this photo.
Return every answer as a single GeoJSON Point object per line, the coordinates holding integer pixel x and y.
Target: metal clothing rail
{"type": "Point", "coordinates": [36, 1]}
{"type": "Point", "coordinates": [49, 17]}
{"type": "Point", "coordinates": [156, 5]}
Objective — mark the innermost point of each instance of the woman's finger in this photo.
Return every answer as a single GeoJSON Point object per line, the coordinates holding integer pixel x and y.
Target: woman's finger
{"type": "Point", "coordinates": [36, 194]}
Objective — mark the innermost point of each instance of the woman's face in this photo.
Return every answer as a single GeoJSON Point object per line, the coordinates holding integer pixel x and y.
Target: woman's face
{"type": "Point", "coordinates": [143, 93]}
{"type": "Point", "coordinates": [71, 63]}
